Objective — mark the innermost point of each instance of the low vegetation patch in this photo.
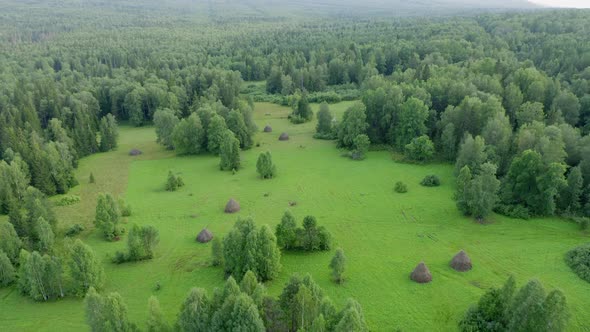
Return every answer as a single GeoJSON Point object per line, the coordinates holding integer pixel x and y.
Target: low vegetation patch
{"type": "Point", "coordinates": [400, 187]}
{"type": "Point", "coordinates": [578, 259]}
{"type": "Point", "coordinates": [430, 181]}
{"type": "Point", "coordinates": [67, 200]}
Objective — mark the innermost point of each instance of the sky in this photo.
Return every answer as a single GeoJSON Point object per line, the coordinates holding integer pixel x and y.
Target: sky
{"type": "Point", "coordinates": [563, 3]}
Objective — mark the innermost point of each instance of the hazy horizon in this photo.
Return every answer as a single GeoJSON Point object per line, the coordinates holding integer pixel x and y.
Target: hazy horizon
{"type": "Point", "coordinates": [563, 3]}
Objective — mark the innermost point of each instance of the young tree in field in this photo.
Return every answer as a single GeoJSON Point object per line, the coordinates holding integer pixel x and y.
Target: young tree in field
{"type": "Point", "coordinates": [215, 132]}
{"type": "Point", "coordinates": [109, 133]}
{"type": "Point", "coordinates": [338, 265]}
{"type": "Point", "coordinates": [420, 149]}
{"type": "Point", "coordinates": [264, 166]}
{"type": "Point", "coordinates": [216, 252]}
{"type": "Point", "coordinates": [7, 273]}
{"type": "Point", "coordinates": [412, 118]}
{"type": "Point", "coordinates": [107, 216]}
{"type": "Point", "coordinates": [106, 313]}
{"type": "Point", "coordinates": [91, 179]}
{"type": "Point", "coordinates": [10, 243]}
{"type": "Point", "coordinates": [361, 147]}
{"type": "Point", "coordinates": [174, 182]}
{"type": "Point", "coordinates": [235, 123]}
{"type": "Point", "coordinates": [229, 152]}
{"type": "Point", "coordinates": [324, 128]}
{"type": "Point", "coordinates": [195, 312]}
{"type": "Point", "coordinates": [286, 231]}
{"type": "Point", "coordinates": [353, 124]}
{"type": "Point", "coordinates": [165, 121]}
{"type": "Point", "coordinates": [156, 321]}
{"type": "Point", "coordinates": [472, 153]}
{"type": "Point", "coordinates": [188, 136]}
{"type": "Point", "coordinates": [85, 269]}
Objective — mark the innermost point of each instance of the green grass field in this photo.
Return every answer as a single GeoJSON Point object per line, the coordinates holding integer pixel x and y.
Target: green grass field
{"type": "Point", "coordinates": [384, 234]}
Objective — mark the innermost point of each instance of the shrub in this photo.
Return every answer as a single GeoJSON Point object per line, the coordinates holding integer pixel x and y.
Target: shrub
{"type": "Point", "coordinates": [125, 208]}
{"type": "Point", "coordinates": [67, 200]}
{"type": "Point", "coordinates": [430, 181]}
{"type": "Point", "coordinates": [420, 149]}
{"type": "Point", "coordinates": [513, 211]}
{"type": "Point", "coordinates": [140, 244]}
{"type": "Point", "coordinates": [578, 259]}
{"type": "Point", "coordinates": [174, 182]}
{"type": "Point", "coordinates": [75, 230]}
{"type": "Point", "coordinates": [400, 187]}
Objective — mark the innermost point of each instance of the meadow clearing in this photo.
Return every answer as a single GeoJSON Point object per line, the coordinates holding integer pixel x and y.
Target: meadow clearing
{"type": "Point", "coordinates": [384, 234]}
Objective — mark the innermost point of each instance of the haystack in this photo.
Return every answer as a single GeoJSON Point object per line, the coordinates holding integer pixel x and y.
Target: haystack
{"type": "Point", "coordinates": [284, 137]}
{"type": "Point", "coordinates": [204, 236]}
{"type": "Point", "coordinates": [135, 152]}
{"type": "Point", "coordinates": [268, 129]}
{"type": "Point", "coordinates": [232, 206]}
{"type": "Point", "coordinates": [421, 274]}
{"type": "Point", "coordinates": [461, 262]}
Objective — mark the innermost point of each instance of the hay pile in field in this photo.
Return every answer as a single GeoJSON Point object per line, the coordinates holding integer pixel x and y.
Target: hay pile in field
{"type": "Point", "coordinates": [135, 152]}
{"type": "Point", "coordinates": [268, 129]}
{"type": "Point", "coordinates": [461, 262]}
{"type": "Point", "coordinates": [284, 137]}
{"type": "Point", "coordinates": [421, 274]}
{"type": "Point", "coordinates": [204, 236]}
{"type": "Point", "coordinates": [232, 206]}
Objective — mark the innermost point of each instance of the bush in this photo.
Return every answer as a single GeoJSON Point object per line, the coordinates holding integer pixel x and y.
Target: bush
{"type": "Point", "coordinates": [578, 260]}
{"type": "Point", "coordinates": [75, 230]}
{"type": "Point", "coordinates": [420, 149]}
{"type": "Point", "coordinates": [400, 187]}
{"type": "Point", "coordinates": [67, 200]}
{"type": "Point", "coordinates": [124, 207]}
{"type": "Point", "coordinates": [174, 182]}
{"type": "Point", "coordinates": [513, 211]}
{"type": "Point", "coordinates": [430, 181]}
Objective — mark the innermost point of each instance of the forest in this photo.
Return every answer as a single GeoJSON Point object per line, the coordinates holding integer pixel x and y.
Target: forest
{"type": "Point", "coordinates": [489, 103]}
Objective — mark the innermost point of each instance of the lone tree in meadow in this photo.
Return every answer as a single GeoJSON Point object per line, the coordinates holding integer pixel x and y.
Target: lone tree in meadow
{"type": "Point", "coordinates": [229, 152]}
{"type": "Point", "coordinates": [264, 166]}
{"type": "Point", "coordinates": [174, 182]}
{"type": "Point", "coordinates": [109, 133]}
{"type": "Point", "coordinates": [338, 265]}
{"type": "Point", "coordinates": [108, 216]}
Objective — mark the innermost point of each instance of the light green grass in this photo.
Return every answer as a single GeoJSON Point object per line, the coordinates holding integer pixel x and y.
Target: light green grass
{"type": "Point", "coordinates": [384, 234]}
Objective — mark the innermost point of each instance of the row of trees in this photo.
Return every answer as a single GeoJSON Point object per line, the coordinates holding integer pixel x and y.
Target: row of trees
{"type": "Point", "coordinates": [244, 306]}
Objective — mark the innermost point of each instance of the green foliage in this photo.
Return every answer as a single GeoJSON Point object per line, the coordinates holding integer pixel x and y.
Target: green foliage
{"type": "Point", "coordinates": [141, 243]}
{"type": "Point", "coordinates": [264, 166]}
{"type": "Point", "coordinates": [7, 273]}
{"type": "Point", "coordinates": [10, 243]}
{"type": "Point", "coordinates": [165, 120]}
{"type": "Point", "coordinates": [44, 235]}
{"type": "Point", "coordinates": [106, 313]}
{"type": "Point", "coordinates": [338, 265]}
{"type": "Point", "coordinates": [85, 268]}
{"type": "Point", "coordinates": [477, 195]}
{"type": "Point", "coordinates": [325, 127]}
{"type": "Point", "coordinates": [236, 123]}
{"type": "Point", "coordinates": [67, 200]}
{"type": "Point", "coordinates": [75, 230]}
{"type": "Point", "coordinates": [156, 321]}
{"type": "Point", "coordinates": [430, 181]}
{"type": "Point", "coordinates": [125, 208]}
{"type": "Point", "coordinates": [216, 252]}
{"type": "Point", "coordinates": [309, 238]}
{"type": "Point", "coordinates": [578, 259]}
{"type": "Point", "coordinates": [229, 152]}
{"type": "Point", "coordinates": [247, 247]}
{"type": "Point", "coordinates": [41, 277]}
{"type": "Point", "coordinates": [195, 312]}
{"type": "Point", "coordinates": [301, 110]}
{"type": "Point", "coordinates": [188, 136]}
{"type": "Point", "coordinates": [472, 153]}
{"type": "Point", "coordinates": [353, 124]}
{"type": "Point", "coordinates": [174, 182]}
{"type": "Point", "coordinates": [412, 118]}
{"type": "Point", "coordinates": [109, 133]}
{"type": "Point", "coordinates": [400, 187]}
{"type": "Point", "coordinates": [361, 147]}
{"type": "Point", "coordinates": [108, 216]}
{"type": "Point", "coordinates": [420, 149]}
{"type": "Point", "coordinates": [91, 178]}
{"type": "Point", "coordinates": [215, 134]}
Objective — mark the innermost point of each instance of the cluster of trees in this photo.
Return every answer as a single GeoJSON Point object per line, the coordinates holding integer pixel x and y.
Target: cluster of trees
{"type": "Point", "coordinates": [578, 259]}
{"type": "Point", "coordinates": [45, 276]}
{"type": "Point", "coordinates": [243, 306]}
{"type": "Point", "coordinates": [248, 248]}
{"type": "Point", "coordinates": [310, 237]}
{"type": "Point", "coordinates": [174, 182]}
{"type": "Point", "coordinates": [141, 242]}
{"type": "Point", "coordinates": [528, 309]}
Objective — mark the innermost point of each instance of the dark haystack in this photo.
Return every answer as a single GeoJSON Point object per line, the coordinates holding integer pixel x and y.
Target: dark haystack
{"type": "Point", "coordinates": [135, 152]}
{"type": "Point", "coordinates": [284, 137]}
{"type": "Point", "coordinates": [421, 274]}
{"type": "Point", "coordinates": [268, 129]}
{"type": "Point", "coordinates": [204, 236]}
{"type": "Point", "coordinates": [232, 206]}
{"type": "Point", "coordinates": [461, 262]}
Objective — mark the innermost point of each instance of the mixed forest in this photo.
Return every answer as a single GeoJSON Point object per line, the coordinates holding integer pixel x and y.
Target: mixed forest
{"type": "Point", "coordinates": [495, 105]}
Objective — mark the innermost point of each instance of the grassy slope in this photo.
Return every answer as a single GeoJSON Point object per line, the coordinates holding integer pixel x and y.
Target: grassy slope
{"type": "Point", "coordinates": [384, 234]}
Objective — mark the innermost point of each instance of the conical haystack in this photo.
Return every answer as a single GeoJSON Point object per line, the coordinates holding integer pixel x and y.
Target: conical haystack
{"type": "Point", "coordinates": [204, 236]}
{"type": "Point", "coordinates": [268, 129]}
{"type": "Point", "coordinates": [421, 274]}
{"type": "Point", "coordinates": [284, 137]}
{"type": "Point", "coordinates": [232, 206]}
{"type": "Point", "coordinates": [461, 262]}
